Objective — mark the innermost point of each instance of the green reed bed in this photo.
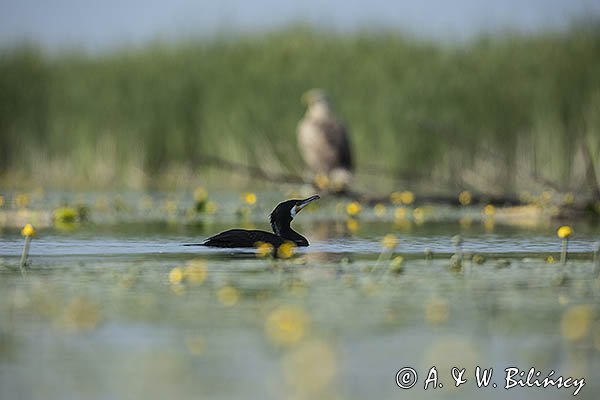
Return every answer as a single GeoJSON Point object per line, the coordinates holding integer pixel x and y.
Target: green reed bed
{"type": "Point", "coordinates": [425, 110]}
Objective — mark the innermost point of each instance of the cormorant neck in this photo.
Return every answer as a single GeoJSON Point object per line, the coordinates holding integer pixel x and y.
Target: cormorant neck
{"type": "Point", "coordinates": [286, 232]}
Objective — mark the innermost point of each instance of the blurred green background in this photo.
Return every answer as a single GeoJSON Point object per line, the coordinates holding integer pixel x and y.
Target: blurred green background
{"type": "Point", "coordinates": [497, 113]}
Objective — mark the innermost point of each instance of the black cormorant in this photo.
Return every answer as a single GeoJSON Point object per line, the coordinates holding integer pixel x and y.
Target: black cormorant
{"type": "Point", "coordinates": [280, 219]}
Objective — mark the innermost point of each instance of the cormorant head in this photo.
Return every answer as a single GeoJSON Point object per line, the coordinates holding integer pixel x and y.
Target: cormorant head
{"type": "Point", "coordinates": [284, 213]}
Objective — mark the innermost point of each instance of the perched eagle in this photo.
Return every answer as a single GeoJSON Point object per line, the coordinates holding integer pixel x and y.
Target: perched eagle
{"type": "Point", "coordinates": [324, 143]}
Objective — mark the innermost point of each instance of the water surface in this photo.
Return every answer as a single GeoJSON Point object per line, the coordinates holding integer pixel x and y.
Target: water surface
{"type": "Point", "coordinates": [99, 312]}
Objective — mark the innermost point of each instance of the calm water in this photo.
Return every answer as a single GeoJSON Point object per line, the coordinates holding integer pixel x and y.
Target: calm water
{"type": "Point", "coordinates": [102, 313]}
{"type": "Point", "coordinates": [325, 237]}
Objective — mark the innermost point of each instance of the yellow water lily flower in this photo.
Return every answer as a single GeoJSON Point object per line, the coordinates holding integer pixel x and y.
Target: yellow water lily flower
{"type": "Point", "coordinates": [396, 265]}
{"type": "Point", "coordinates": [195, 271]}
{"type": "Point", "coordinates": [286, 250]}
{"type": "Point", "coordinates": [322, 181]}
{"type": "Point", "coordinates": [67, 215]}
{"type": "Point", "coordinates": [352, 225]}
{"type": "Point", "coordinates": [564, 232]}
{"type": "Point", "coordinates": [250, 198]}
{"type": "Point", "coordinates": [489, 210]}
{"type": "Point", "coordinates": [287, 325]}
{"type": "Point", "coordinates": [465, 198]}
{"type": "Point", "coordinates": [200, 194]}
{"type": "Point", "coordinates": [211, 207]}
{"type": "Point", "coordinates": [28, 231]}
{"type": "Point", "coordinates": [406, 197]}
{"type": "Point", "coordinates": [176, 276]}
{"type": "Point", "coordinates": [263, 249]}
{"type": "Point", "coordinates": [353, 208]}
{"type": "Point", "coordinates": [380, 210]}
{"type": "Point", "coordinates": [569, 199]}
{"type": "Point", "coordinates": [390, 242]}
{"type": "Point", "coordinates": [419, 215]}
{"type": "Point", "coordinates": [400, 213]}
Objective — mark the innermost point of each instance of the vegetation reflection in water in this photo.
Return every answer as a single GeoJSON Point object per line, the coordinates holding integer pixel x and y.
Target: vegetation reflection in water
{"type": "Point", "coordinates": [303, 324]}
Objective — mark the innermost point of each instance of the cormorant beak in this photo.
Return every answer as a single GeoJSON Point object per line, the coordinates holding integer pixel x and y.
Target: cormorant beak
{"type": "Point", "coordinates": [303, 203]}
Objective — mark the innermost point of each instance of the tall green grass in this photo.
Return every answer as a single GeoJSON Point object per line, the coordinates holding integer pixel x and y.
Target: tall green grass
{"type": "Point", "coordinates": [496, 113]}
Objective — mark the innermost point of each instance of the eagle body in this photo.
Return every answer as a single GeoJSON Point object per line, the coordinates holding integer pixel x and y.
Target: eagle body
{"type": "Point", "coordinates": [323, 140]}
{"type": "Point", "coordinates": [324, 145]}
